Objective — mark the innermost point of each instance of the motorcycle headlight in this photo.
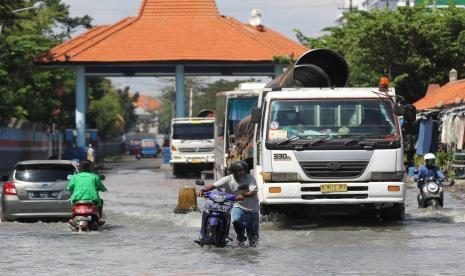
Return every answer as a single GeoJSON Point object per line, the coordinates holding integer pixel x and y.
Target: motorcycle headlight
{"type": "Point", "coordinates": [432, 187]}
{"type": "Point", "coordinates": [219, 198]}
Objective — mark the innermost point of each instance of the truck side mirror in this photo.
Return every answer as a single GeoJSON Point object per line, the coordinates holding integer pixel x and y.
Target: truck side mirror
{"type": "Point", "coordinates": [256, 115]}
{"type": "Point", "coordinates": [399, 109]}
{"type": "Point", "coordinates": [221, 130]}
{"type": "Point", "coordinates": [410, 113]}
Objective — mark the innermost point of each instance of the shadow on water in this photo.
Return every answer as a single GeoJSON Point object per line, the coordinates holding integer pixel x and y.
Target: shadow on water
{"type": "Point", "coordinates": [336, 222]}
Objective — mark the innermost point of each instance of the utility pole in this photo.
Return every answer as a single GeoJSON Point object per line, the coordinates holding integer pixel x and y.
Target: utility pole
{"type": "Point", "coordinates": [350, 5]}
{"type": "Point", "coordinates": [190, 103]}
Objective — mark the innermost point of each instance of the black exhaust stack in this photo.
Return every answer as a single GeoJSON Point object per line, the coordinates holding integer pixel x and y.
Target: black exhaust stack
{"type": "Point", "coordinates": [315, 68]}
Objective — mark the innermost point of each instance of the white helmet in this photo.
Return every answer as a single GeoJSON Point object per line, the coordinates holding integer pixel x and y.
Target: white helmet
{"type": "Point", "coordinates": [429, 156]}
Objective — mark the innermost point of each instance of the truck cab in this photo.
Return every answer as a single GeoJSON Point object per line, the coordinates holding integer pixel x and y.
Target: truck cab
{"type": "Point", "coordinates": [192, 145]}
{"type": "Point", "coordinates": [320, 150]}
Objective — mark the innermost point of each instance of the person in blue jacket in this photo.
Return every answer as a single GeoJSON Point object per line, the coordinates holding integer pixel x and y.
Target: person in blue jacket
{"type": "Point", "coordinates": [428, 170]}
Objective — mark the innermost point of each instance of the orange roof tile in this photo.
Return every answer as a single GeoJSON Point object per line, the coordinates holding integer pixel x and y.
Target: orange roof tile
{"type": "Point", "coordinates": [147, 103]}
{"type": "Point", "coordinates": [175, 30]}
{"type": "Point", "coordinates": [449, 94]}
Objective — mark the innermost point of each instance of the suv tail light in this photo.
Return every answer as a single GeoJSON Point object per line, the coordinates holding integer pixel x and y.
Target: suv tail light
{"type": "Point", "coordinates": [9, 188]}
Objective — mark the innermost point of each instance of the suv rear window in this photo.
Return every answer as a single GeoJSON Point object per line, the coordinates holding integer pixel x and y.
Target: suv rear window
{"type": "Point", "coordinates": [44, 172]}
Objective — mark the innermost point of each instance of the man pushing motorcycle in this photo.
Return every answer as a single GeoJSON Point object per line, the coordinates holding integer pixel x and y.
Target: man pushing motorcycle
{"type": "Point", "coordinates": [245, 212]}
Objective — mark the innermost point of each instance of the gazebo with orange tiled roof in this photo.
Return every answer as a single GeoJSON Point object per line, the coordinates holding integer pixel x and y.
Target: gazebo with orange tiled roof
{"type": "Point", "coordinates": [171, 38]}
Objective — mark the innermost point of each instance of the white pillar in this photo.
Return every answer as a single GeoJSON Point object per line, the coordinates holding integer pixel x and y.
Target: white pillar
{"type": "Point", "coordinates": [81, 105]}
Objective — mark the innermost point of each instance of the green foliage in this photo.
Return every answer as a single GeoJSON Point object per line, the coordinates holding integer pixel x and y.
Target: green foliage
{"type": "Point", "coordinates": [444, 159]}
{"type": "Point", "coordinates": [285, 60]}
{"type": "Point", "coordinates": [29, 92]}
{"type": "Point", "coordinates": [111, 111]}
{"type": "Point", "coordinates": [48, 95]}
{"type": "Point", "coordinates": [413, 46]}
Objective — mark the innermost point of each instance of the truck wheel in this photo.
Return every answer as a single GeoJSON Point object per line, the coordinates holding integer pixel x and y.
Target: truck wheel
{"type": "Point", "coordinates": [395, 213]}
{"type": "Point", "coordinates": [177, 170]}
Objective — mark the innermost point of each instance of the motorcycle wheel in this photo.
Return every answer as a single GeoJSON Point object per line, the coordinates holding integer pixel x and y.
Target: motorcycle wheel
{"type": "Point", "coordinates": [212, 234]}
{"type": "Point", "coordinates": [433, 203]}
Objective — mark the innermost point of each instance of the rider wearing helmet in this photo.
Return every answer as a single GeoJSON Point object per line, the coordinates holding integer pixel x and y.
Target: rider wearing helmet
{"type": "Point", "coordinates": [428, 170]}
{"type": "Point", "coordinates": [245, 212]}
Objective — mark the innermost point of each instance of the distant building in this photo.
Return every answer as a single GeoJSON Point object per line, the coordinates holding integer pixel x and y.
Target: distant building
{"type": "Point", "coordinates": [440, 3]}
{"type": "Point", "coordinates": [147, 114]}
{"type": "Point", "coordinates": [369, 5]}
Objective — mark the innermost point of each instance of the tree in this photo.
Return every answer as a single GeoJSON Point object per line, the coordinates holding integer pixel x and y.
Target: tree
{"type": "Point", "coordinates": [413, 46]}
{"type": "Point", "coordinates": [29, 92]}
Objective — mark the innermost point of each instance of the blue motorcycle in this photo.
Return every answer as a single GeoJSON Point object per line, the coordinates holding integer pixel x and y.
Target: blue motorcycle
{"type": "Point", "coordinates": [216, 217]}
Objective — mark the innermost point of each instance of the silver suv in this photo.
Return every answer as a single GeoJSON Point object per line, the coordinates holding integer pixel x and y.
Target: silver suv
{"type": "Point", "coordinates": [37, 189]}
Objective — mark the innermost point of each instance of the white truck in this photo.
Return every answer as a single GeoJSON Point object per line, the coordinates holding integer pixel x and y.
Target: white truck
{"type": "Point", "coordinates": [321, 151]}
{"type": "Point", "coordinates": [192, 145]}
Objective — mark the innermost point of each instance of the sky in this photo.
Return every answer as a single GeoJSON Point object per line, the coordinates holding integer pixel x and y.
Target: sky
{"type": "Point", "coordinates": [309, 16]}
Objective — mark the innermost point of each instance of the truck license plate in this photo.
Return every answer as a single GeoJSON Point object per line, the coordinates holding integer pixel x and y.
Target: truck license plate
{"type": "Point", "coordinates": [333, 188]}
{"type": "Point", "coordinates": [196, 161]}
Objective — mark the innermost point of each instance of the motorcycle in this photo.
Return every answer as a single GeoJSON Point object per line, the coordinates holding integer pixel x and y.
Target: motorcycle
{"type": "Point", "coordinates": [431, 194]}
{"type": "Point", "coordinates": [85, 217]}
{"type": "Point", "coordinates": [216, 217]}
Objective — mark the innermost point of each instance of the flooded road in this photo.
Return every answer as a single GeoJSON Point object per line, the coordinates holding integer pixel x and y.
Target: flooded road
{"type": "Point", "coordinates": [144, 237]}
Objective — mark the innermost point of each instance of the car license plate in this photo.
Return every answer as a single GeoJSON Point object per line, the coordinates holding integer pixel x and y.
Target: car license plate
{"type": "Point", "coordinates": [217, 208]}
{"type": "Point", "coordinates": [196, 161]}
{"type": "Point", "coordinates": [333, 188]}
{"type": "Point", "coordinates": [44, 195]}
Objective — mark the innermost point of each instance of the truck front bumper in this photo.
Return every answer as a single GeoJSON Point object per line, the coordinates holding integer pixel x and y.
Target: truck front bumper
{"type": "Point", "coordinates": [309, 193]}
{"type": "Point", "coordinates": [192, 159]}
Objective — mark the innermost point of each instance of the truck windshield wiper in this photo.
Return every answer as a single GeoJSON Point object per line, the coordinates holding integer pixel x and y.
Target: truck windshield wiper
{"type": "Point", "coordinates": [289, 140]}
{"type": "Point", "coordinates": [356, 139]}
{"type": "Point", "coordinates": [325, 139]}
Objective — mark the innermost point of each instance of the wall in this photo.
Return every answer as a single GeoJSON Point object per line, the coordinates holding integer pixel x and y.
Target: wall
{"type": "Point", "coordinates": [20, 144]}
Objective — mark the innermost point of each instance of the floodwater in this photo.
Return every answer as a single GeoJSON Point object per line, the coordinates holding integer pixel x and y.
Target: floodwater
{"type": "Point", "coordinates": [144, 237]}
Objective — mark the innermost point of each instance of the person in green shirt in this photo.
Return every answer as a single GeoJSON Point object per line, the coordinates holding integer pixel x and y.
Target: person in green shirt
{"type": "Point", "coordinates": [86, 185]}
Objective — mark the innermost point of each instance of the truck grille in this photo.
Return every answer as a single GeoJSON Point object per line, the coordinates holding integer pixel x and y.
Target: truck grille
{"type": "Point", "coordinates": [195, 149]}
{"type": "Point", "coordinates": [334, 169]}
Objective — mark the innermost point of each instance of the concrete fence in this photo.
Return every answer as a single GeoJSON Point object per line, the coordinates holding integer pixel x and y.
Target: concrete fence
{"type": "Point", "coordinates": [20, 144]}
{"type": "Point", "coordinates": [23, 144]}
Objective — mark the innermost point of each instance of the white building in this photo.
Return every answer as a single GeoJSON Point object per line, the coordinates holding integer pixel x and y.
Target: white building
{"type": "Point", "coordinates": [369, 5]}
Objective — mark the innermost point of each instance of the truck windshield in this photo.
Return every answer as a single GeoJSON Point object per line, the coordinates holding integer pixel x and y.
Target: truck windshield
{"type": "Point", "coordinates": [188, 131]}
{"type": "Point", "coordinates": [333, 118]}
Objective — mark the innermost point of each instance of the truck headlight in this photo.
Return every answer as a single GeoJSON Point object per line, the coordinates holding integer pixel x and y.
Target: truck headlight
{"type": "Point", "coordinates": [387, 176]}
{"type": "Point", "coordinates": [279, 177]}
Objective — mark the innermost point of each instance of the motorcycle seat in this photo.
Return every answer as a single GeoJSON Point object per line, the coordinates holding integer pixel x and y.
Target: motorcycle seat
{"type": "Point", "coordinates": [84, 202]}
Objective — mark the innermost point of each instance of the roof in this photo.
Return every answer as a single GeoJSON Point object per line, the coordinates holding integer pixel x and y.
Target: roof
{"type": "Point", "coordinates": [147, 103]}
{"type": "Point", "coordinates": [175, 30]}
{"type": "Point", "coordinates": [452, 93]}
